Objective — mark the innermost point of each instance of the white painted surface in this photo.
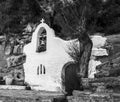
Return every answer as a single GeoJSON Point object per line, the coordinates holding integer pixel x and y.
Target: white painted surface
{"type": "Point", "coordinates": [98, 42]}
{"type": "Point", "coordinates": [92, 68]}
{"type": "Point", "coordinates": [13, 87]}
{"type": "Point", "coordinates": [53, 59]}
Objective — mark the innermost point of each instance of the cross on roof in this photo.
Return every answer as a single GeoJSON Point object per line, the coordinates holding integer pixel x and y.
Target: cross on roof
{"type": "Point", "coordinates": [42, 20]}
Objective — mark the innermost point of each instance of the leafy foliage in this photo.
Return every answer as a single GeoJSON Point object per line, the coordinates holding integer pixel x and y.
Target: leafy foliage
{"type": "Point", "coordinates": [105, 16]}
{"type": "Point", "coordinates": [62, 15]}
{"type": "Point", "coordinates": [15, 15]}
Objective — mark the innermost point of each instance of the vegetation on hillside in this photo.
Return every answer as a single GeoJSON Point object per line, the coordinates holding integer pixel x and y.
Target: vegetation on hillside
{"type": "Point", "coordinates": [63, 15]}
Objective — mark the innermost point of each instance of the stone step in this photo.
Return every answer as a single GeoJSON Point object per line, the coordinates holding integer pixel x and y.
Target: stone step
{"type": "Point", "coordinates": [82, 96]}
{"type": "Point", "coordinates": [30, 96]}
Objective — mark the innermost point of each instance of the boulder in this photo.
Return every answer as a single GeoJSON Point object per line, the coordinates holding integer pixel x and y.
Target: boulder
{"type": "Point", "coordinates": [2, 57]}
{"type": "Point", "coordinates": [18, 49]}
{"type": "Point", "coordinates": [114, 59]}
{"type": "Point", "coordinates": [13, 60]}
{"type": "Point", "coordinates": [113, 72]}
{"type": "Point", "coordinates": [2, 38]}
{"type": "Point", "coordinates": [106, 81]}
{"type": "Point", "coordinates": [8, 79]}
{"type": "Point", "coordinates": [8, 50]}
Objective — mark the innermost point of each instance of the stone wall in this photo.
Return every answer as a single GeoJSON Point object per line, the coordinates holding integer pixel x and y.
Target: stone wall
{"type": "Point", "coordinates": [3, 61]}
{"type": "Point", "coordinates": [79, 96]}
{"type": "Point", "coordinates": [30, 96]}
{"type": "Point", "coordinates": [11, 60]}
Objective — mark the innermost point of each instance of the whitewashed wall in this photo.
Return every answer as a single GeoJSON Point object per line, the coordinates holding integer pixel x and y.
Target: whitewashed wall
{"type": "Point", "coordinates": [53, 59]}
{"type": "Point", "coordinates": [97, 50]}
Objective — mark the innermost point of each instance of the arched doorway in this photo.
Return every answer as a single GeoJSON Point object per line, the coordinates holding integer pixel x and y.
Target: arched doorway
{"type": "Point", "coordinates": [41, 40]}
{"type": "Point", "coordinates": [70, 80]}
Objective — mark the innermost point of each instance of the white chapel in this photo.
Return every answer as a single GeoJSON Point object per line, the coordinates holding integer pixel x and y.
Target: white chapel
{"type": "Point", "coordinates": [45, 57]}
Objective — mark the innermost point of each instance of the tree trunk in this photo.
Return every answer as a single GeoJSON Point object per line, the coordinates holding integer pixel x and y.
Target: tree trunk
{"type": "Point", "coordinates": [70, 20]}
{"type": "Point", "coordinates": [85, 52]}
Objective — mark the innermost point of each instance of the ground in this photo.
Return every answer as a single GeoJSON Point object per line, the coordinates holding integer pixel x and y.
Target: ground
{"type": "Point", "coordinates": [28, 96]}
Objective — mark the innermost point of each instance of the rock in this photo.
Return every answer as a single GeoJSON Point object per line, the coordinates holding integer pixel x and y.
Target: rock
{"type": "Point", "coordinates": [29, 28]}
{"type": "Point", "coordinates": [8, 79]}
{"type": "Point", "coordinates": [101, 89]}
{"type": "Point", "coordinates": [17, 74]}
{"type": "Point", "coordinates": [77, 93]}
{"type": "Point", "coordinates": [110, 63]}
{"type": "Point", "coordinates": [2, 38]}
{"type": "Point", "coordinates": [15, 50]}
{"type": "Point", "coordinates": [18, 49]}
{"type": "Point", "coordinates": [116, 60]}
{"type": "Point", "coordinates": [103, 66]}
{"type": "Point", "coordinates": [107, 81]}
{"type": "Point", "coordinates": [115, 41]}
{"type": "Point", "coordinates": [98, 41]}
{"type": "Point", "coordinates": [26, 40]}
{"type": "Point", "coordinates": [26, 36]}
{"type": "Point", "coordinates": [90, 97]}
{"type": "Point", "coordinates": [3, 61]}
{"type": "Point", "coordinates": [102, 74]}
{"type": "Point", "coordinates": [109, 68]}
{"type": "Point", "coordinates": [8, 50]}
{"type": "Point", "coordinates": [13, 60]}
{"type": "Point", "coordinates": [98, 84]}
{"type": "Point", "coordinates": [113, 72]}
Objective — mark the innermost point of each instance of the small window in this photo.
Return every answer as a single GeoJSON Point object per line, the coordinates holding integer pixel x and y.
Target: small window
{"type": "Point", "coordinates": [41, 69]}
{"type": "Point", "coordinates": [41, 40]}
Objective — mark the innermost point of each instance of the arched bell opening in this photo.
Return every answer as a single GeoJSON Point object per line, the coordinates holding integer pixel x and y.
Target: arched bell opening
{"type": "Point", "coordinates": [70, 80]}
{"type": "Point", "coordinates": [41, 40]}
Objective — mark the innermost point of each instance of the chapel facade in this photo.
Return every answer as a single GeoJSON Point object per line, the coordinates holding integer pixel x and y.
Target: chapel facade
{"type": "Point", "coordinates": [45, 57]}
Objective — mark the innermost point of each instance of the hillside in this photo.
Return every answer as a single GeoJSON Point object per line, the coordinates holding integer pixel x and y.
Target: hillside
{"type": "Point", "coordinates": [69, 19]}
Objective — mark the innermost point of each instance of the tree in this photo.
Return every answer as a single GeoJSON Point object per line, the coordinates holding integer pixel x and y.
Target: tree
{"type": "Point", "coordinates": [76, 21]}
{"type": "Point", "coordinates": [15, 15]}
{"type": "Point", "coordinates": [104, 16]}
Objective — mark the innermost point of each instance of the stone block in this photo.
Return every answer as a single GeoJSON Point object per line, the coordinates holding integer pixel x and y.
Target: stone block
{"type": "Point", "coordinates": [103, 66]}
{"type": "Point", "coordinates": [116, 97]}
{"type": "Point", "coordinates": [2, 57]}
{"type": "Point", "coordinates": [111, 83]}
{"type": "Point", "coordinates": [30, 96]}
{"type": "Point", "coordinates": [15, 60]}
{"type": "Point", "coordinates": [8, 79]}
{"type": "Point", "coordinates": [79, 96]}
{"type": "Point", "coordinates": [2, 38]}
{"type": "Point", "coordinates": [113, 72]}
{"type": "Point", "coordinates": [111, 62]}
{"type": "Point", "coordinates": [18, 49]}
{"type": "Point", "coordinates": [101, 97]}
{"type": "Point", "coordinates": [77, 93]}
{"type": "Point", "coordinates": [18, 77]}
